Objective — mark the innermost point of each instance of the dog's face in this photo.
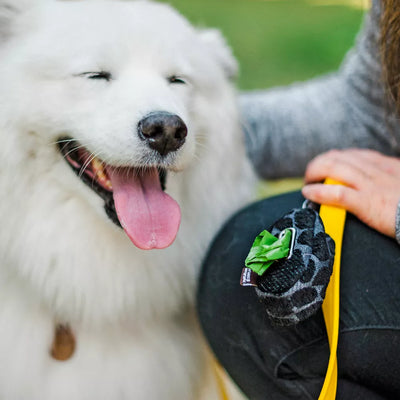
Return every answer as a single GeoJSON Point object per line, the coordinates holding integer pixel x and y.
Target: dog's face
{"type": "Point", "coordinates": [111, 90]}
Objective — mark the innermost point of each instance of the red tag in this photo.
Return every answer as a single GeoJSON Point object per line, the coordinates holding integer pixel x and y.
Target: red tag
{"type": "Point", "coordinates": [248, 278]}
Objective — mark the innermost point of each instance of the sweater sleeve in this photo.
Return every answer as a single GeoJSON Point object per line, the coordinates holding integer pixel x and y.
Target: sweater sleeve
{"type": "Point", "coordinates": [287, 127]}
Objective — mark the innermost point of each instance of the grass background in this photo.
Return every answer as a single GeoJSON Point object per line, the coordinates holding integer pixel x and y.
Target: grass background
{"type": "Point", "coordinates": [281, 41]}
{"type": "Point", "coordinates": [278, 42]}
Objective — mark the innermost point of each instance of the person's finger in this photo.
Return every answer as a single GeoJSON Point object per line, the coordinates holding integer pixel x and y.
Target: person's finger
{"type": "Point", "coordinates": [374, 159]}
{"type": "Point", "coordinates": [369, 163]}
{"type": "Point", "coordinates": [336, 168]}
{"type": "Point", "coordinates": [334, 195]}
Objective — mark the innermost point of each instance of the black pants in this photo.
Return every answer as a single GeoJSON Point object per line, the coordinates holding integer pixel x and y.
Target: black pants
{"type": "Point", "coordinates": [275, 363]}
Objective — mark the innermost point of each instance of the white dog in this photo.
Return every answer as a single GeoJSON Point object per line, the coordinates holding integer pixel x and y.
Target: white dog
{"type": "Point", "coordinates": [105, 107]}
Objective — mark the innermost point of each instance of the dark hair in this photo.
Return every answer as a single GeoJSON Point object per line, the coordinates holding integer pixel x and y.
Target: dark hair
{"type": "Point", "coordinates": [390, 48]}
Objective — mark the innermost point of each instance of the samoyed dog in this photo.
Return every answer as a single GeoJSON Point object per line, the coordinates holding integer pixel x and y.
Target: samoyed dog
{"type": "Point", "coordinates": [121, 156]}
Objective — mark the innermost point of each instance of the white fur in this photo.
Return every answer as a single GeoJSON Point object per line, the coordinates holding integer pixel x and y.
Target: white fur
{"type": "Point", "coordinates": [62, 259]}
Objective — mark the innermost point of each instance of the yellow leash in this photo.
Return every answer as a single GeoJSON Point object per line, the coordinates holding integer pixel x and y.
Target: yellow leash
{"type": "Point", "coordinates": [334, 219]}
{"type": "Point", "coordinates": [223, 393]}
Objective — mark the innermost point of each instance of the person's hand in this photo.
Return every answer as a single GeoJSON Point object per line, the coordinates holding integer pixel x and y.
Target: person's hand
{"type": "Point", "coordinates": [372, 188]}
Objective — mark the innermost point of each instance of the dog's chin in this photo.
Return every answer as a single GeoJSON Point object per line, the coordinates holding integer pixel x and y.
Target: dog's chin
{"type": "Point", "coordinates": [134, 197]}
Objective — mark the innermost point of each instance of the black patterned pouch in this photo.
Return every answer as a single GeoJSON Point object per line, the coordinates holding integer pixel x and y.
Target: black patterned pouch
{"type": "Point", "coordinates": [290, 265]}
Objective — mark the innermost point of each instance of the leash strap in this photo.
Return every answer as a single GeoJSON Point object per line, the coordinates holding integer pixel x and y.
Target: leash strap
{"type": "Point", "coordinates": [334, 220]}
{"type": "Point", "coordinates": [219, 374]}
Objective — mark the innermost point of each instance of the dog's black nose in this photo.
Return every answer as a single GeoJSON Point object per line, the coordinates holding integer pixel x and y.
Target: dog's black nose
{"type": "Point", "coordinates": [163, 131]}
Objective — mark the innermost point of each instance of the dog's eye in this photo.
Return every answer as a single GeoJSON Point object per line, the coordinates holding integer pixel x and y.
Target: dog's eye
{"type": "Point", "coordinates": [98, 75]}
{"type": "Point", "coordinates": [176, 79]}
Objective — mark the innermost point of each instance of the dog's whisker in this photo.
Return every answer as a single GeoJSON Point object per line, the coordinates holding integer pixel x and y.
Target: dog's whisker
{"type": "Point", "coordinates": [102, 165]}
{"type": "Point", "coordinates": [69, 140]}
{"type": "Point", "coordinates": [73, 150]}
{"type": "Point", "coordinates": [88, 162]}
{"type": "Point", "coordinates": [64, 141]}
{"type": "Point", "coordinates": [202, 145]}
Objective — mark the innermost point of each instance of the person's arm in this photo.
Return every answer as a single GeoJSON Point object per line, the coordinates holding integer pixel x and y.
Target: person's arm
{"type": "Point", "coordinates": [287, 127]}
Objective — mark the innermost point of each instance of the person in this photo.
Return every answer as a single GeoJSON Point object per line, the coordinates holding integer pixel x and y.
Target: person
{"type": "Point", "coordinates": [291, 132]}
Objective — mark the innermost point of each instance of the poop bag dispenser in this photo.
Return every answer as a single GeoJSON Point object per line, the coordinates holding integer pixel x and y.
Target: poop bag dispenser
{"type": "Point", "coordinates": [290, 266]}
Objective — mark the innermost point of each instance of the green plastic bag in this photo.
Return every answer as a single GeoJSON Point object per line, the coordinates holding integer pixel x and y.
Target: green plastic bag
{"type": "Point", "coordinates": [266, 249]}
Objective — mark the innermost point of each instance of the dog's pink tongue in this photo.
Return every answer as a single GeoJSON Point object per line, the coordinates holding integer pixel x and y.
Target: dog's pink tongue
{"type": "Point", "coordinates": [149, 216]}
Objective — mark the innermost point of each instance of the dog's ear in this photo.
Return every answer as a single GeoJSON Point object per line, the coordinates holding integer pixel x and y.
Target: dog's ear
{"type": "Point", "coordinates": [220, 50]}
{"type": "Point", "coordinates": [10, 13]}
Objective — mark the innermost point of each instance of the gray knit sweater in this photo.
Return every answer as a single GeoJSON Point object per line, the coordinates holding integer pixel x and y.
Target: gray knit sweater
{"type": "Point", "coordinates": [286, 127]}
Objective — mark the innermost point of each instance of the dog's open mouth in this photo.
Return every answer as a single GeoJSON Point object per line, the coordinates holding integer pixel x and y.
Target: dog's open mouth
{"type": "Point", "coordinates": [134, 197]}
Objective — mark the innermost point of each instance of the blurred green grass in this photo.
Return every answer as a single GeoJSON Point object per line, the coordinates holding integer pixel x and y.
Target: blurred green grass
{"type": "Point", "coordinates": [278, 42]}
